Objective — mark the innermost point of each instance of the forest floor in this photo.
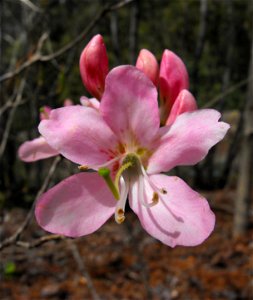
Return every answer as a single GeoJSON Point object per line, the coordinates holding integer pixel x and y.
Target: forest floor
{"type": "Point", "coordinates": [124, 262]}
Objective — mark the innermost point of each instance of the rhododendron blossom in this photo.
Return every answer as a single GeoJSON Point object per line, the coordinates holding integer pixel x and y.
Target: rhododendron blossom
{"type": "Point", "coordinates": [38, 148]}
{"type": "Point", "coordinates": [122, 142]}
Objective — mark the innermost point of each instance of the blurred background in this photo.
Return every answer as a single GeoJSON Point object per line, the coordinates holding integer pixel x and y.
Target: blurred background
{"type": "Point", "coordinates": [41, 42]}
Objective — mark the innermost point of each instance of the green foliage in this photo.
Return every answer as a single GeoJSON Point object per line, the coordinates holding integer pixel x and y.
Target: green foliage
{"type": "Point", "coordinates": [9, 269]}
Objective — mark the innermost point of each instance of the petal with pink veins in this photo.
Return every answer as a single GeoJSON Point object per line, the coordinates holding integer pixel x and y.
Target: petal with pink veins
{"type": "Point", "coordinates": [188, 140]}
{"type": "Point", "coordinates": [77, 206]}
{"type": "Point", "coordinates": [35, 150]}
{"type": "Point", "coordinates": [129, 105]}
{"type": "Point", "coordinates": [80, 134]}
{"type": "Point", "coordinates": [181, 216]}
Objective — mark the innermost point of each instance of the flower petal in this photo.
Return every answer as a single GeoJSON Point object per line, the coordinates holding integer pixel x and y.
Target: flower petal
{"type": "Point", "coordinates": [181, 217]}
{"type": "Point", "coordinates": [35, 150]}
{"type": "Point", "coordinates": [77, 206]}
{"type": "Point", "coordinates": [187, 140]}
{"type": "Point", "coordinates": [185, 102]}
{"type": "Point", "coordinates": [129, 105]}
{"type": "Point", "coordinates": [80, 134]}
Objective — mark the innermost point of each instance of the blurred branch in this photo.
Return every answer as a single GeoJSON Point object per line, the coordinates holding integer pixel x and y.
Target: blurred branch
{"type": "Point", "coordinates": [15, 237]}
{"type": "Point", "coordinates": [31, 5]}
{"type": "Point", "coordinates": [230, 90]}
{"type": "Point", "coordinates": [38, 57]}
{"type": "Point", "coordinates": [38, 242]}
{"type": "Point", "coordinates": [11, 117]}
{"type": "Point", "coordinates": [82, 268]}
{"type": "Point", "coordinates": [10, 104]}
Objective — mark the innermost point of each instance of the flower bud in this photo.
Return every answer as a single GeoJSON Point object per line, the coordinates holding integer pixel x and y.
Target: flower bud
{"type": "Point", "coordinates": [185, 102]}
{"type": "Point", "coordinates": [147, 63]}
{"type": "Point", "coordinates": [94, 66]}
{"type": "Point", "coordinates": [44, 112]}
{"type": "Point", "coordinates": [68, 102]}
{"type": "Point", "coordinates": [173, 78]}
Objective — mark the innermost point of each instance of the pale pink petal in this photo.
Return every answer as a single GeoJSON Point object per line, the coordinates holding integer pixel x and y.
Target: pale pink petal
{"type": "Point", "coordinates": [129, 105]}
{"type": "Point", "coordinates": [77, 206]}
{"type": "Point", "coordinates": [185, 102]}
{"type": "Point", "coordinates": [173, 77]}
{"type": "Point", "coordinates": [187, 140]}
{"type": "Point", "coordinates": [147, 63]}
{"type": "Point", "coordinates": [80, 134]}
{"type": "Point", "coordinates": [35, 150]}
{"type": "Point", "coordinates": [181, 217]}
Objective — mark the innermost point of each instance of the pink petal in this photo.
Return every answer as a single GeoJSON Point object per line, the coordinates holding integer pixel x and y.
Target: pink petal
{"type": "Point", "coordinates": [129, 105]}
{"type": "Point", "coordinates": [181, 217]}
{"type": "Point", "coordinates": [94, 66]}
{"type": "Point", "coordinates": [77, 206]}
{"type": "Point", "coordinates": [185, 102]}
{"type": "Point", "coordinates": [173, 77]}
{"type": "Point", "coordinates": [188, 140]}
{"type": "Point", "coordinates": [35, 150]}
{"type": "Point", "coordinates": [80, 134]}
{"type": "Point", "coordinates": [147, 63]}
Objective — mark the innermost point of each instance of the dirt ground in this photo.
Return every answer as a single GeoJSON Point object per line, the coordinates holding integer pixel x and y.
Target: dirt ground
{"type": "Point", "coordinates": [124, 262]}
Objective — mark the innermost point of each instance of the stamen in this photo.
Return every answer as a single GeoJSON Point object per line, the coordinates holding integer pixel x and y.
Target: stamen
{"type": "Point", "coordinates": [120, 207]}
{"type": "Point", "coordinates": [142, 195]}
{"type": "Point", "coordinates": [163, 191]}
{"type": "Point", "coordinates": [105, 173]}
{"type": "Point", "coordinates": [153, 186]}
{"type": "Point", "coordinates": [108, 163]}
{"type": "Point", "coordinates": [83, 168]}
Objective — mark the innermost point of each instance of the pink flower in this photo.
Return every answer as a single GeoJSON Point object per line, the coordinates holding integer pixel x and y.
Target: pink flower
{"type": "Point", "coordinates": [123, 142]}
{"type": "Point", "coordinates": [171, 79]}
{"type": "Point", "coordinates": [38, 148]}
{"type": "Point", "coordinates": [94, 66]}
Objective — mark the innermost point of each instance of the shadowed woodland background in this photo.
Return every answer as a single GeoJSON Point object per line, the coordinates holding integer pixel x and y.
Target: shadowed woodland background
{"type": "Point", "coordinates": [41, 41]}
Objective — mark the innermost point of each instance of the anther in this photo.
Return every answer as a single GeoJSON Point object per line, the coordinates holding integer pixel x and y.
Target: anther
{"type": "Point", "coordinates": [120, 216]}
{"type": "Point", "coordinates": [155, 199]}
{"type": "Point", "coordinates": [163, 191]}
{"type": "Point", "coordinates": [83, 168]}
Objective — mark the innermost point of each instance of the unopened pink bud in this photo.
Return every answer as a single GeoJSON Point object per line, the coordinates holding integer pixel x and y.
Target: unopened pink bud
{"type": "Point", "coordinates": [147, 63]}
{"type": "Point", "coordinates": [44, 112]}
{"type": "Point", "coordinates": [94, 66]}
{"type": "Point", "coordinates": [185, 102]}
{"type": "Point", "coordinates": [68, 102]}
{"type": "Point", "coordinates": [173, 78]}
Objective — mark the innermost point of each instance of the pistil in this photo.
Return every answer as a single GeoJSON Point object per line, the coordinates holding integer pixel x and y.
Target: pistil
{"type": "Point", "coordinates": [105, 173]}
